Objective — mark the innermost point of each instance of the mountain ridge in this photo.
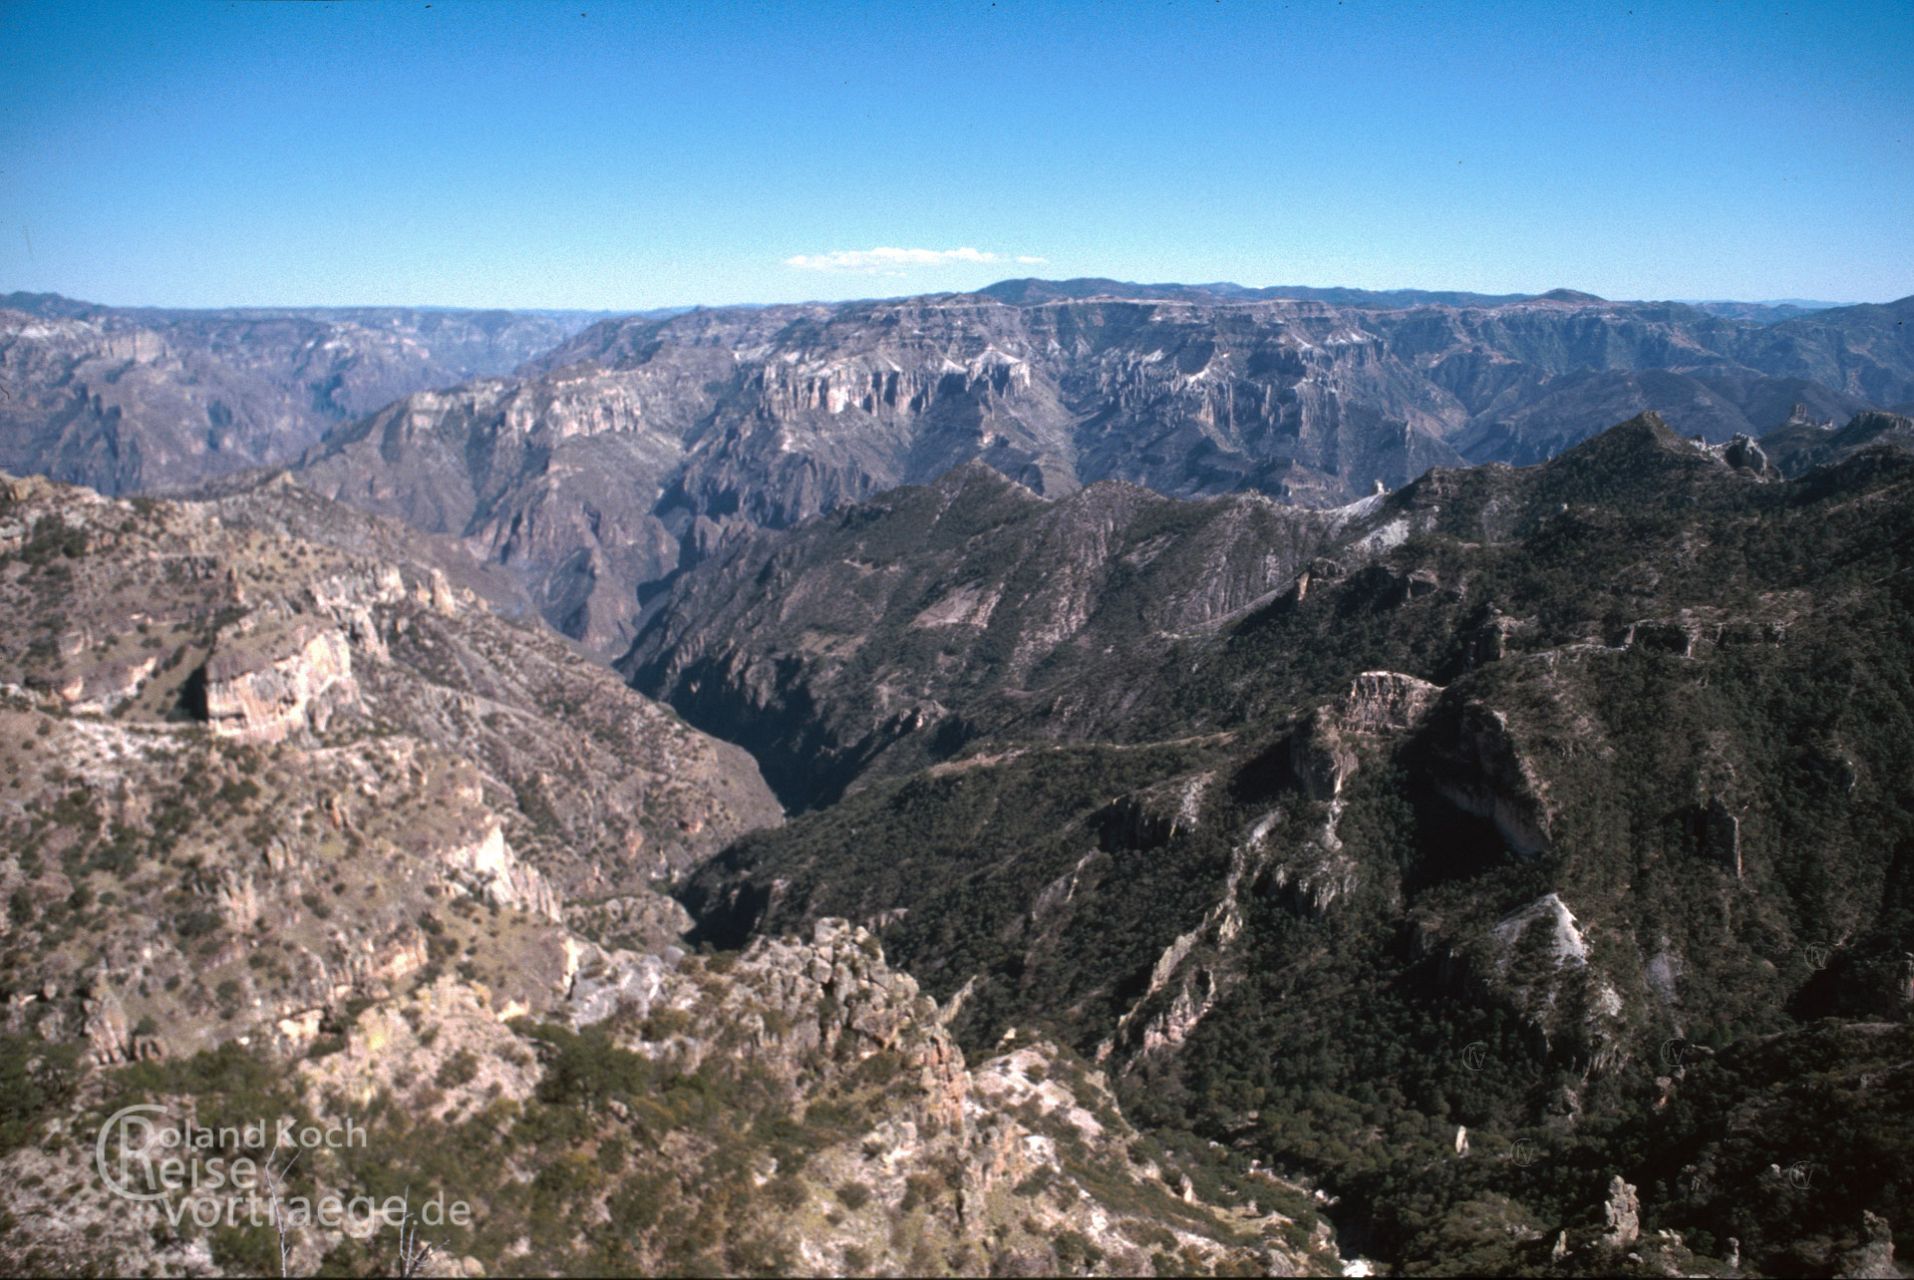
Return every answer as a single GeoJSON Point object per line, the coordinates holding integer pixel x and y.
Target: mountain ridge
{"type": "Point", "coordinates": [138, 399]}
{"type": "Point", "coordinates": [679, 433]}
{"type": "Point", "coordinates": [597, 468]}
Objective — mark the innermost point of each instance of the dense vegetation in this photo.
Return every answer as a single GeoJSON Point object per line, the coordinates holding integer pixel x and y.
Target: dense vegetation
{"type": "Point", "coordinates": [1698, 681]}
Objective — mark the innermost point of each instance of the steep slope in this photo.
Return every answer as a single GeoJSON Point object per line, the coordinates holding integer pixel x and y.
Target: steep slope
{"type": "Point", "coordinates": [891, 634]}
{"type": "Point", "coordinates": [1461, 873]}
{"type": "Point", "coordinates": [311, 837]}
{"type": "Point", "coordinates": [1532, 423]}
{"type": "Point", "coordinates": [563, 480]}
{"type": "Point", "coordinates": [346, 628]}
{"type": "Point", "coordinates": [631, 451]}
{"type": "Point", "coordinates": [1864, 351]}
{"type": "Point", "coordinates": [1801, 443]}
{"type": "Point", "coordinates": [129, 399]}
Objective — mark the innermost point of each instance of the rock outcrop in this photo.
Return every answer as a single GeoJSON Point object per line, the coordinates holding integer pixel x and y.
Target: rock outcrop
{"type": "Point", "coordinates": [386, 758]}
{"type": "Point", "coordinates": [265, 685]}
{"type": "Point", "coordinates": [1621, 1215]}
{"type": "Point", "coordinates": [1483, 771]}
{"type": "Point", "coordinates": [1874, 1260]}
{"type": "Point", "coordinates": [489, 869]}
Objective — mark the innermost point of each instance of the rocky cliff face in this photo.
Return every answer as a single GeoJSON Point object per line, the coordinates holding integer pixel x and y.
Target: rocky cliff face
{"type": "Point", "coordinates": [1805, 442]}
{"type": "Point", "coordinates": [262, 687]}
{"type": "Point", "coordinates": [639, 447]}
{"type": "Point", "coordinates": [280, 620]}
{"type": "Point", "coordinates": [128, 399]}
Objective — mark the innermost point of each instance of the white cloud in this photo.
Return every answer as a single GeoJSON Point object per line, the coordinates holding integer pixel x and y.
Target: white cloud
{"type": "Point", "coordinates": [892, 262]}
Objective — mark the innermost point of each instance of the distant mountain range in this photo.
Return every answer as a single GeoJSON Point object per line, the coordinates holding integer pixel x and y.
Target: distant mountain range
{"type": "Point", "coordinates": [1035, 290]}
{"type": "Point", "coordinates": [639, 446]}
{"type": "Point", "coordinates": [598, 460]}
{"type": "Point", "coordinates": [130, 399]}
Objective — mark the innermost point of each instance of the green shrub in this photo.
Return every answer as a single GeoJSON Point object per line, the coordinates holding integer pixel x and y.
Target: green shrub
{"type": "Point", "coordinates": [461, 1068]}
{"type": "Point", "coordinates": [788, 1193]}
{"type": "Point", "coordinates": [37, 1079]}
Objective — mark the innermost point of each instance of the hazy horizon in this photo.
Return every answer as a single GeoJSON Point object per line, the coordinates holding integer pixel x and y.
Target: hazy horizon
{"type": "Point", "coordinates": [1817, 303]}
{"type": "Point", "coordinates": [615, 157]}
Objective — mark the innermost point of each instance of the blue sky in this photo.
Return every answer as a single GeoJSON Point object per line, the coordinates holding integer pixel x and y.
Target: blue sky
{"type": "Point", "coordinates": [622, 156]}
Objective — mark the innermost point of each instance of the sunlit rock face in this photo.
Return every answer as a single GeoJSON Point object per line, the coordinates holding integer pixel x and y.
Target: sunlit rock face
{"type": "Point", "coordinates": [641, 447]}
{"type": "Point", "coordinates": [261, 688]}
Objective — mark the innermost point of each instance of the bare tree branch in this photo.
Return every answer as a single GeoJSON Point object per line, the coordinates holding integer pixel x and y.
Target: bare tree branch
{"type": "Point", "coordinates": [413, 1254]}
{"type": "Point", "coordinates": [279, 1223]}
